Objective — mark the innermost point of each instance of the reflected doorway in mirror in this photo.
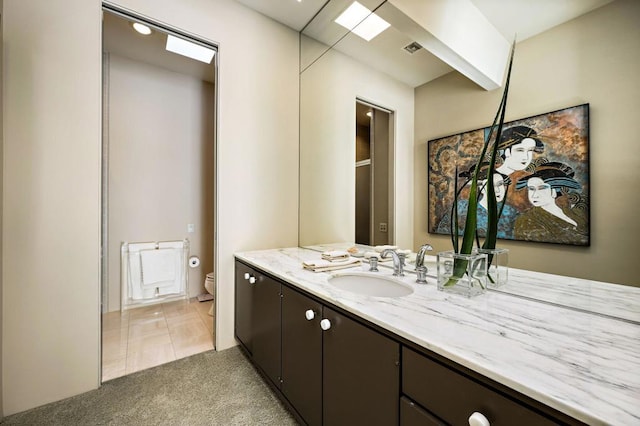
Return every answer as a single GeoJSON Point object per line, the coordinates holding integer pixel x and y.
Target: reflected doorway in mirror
{"type": "Point", "coordinates": [373, 172]}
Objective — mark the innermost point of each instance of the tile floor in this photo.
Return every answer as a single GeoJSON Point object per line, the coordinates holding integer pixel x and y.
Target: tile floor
{"type": "Point", "coordinates": [144, 337]}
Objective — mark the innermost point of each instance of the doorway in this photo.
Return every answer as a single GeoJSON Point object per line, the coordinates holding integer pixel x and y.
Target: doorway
{"type": "Point", "coordinates": [374, 174]}
{"type": "Point", "coordinates": [158, 190]}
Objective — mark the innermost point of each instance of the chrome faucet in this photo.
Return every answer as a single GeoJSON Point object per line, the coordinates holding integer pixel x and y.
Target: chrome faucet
{"type": "Point", "coordinates": [398, 261]}
{"type": "Point", "coordinates": [421, 270]}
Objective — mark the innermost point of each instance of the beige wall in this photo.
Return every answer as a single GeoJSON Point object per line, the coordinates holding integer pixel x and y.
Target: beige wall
{"type": "Point", "coordinates": [329, 90]}
{"type": "Point", "coordinates": [161, 165]}
{"type": "Point", "coordinates": [1, 195]}
{"type": "Point", "coordinates": [593, 59]}
{"type": "Point", "coordinates": [51, 200]}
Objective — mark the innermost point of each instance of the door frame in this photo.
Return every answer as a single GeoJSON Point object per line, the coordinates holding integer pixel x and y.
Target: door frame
{"type": "Point", "coordinates": [128, 14]}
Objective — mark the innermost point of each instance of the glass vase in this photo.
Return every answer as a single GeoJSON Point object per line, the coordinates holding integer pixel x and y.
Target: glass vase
{"type": "Point", "coordinates": [464, 274]}
{"type": "Point", "coordinates": [498, 271]}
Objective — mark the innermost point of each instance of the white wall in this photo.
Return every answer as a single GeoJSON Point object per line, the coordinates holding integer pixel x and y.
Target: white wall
{"type": "Point", "coordinates": [51, 203]}
{"type": "Point", "coordinates": [161, 165]}
{"type": "Point", "coordinates": [329, 89]}
{"type": "Point", "coordinates": [592, 59]}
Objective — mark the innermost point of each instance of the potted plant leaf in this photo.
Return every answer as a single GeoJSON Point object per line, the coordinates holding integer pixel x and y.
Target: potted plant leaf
{"type": "Point", "coordinates": [464, 269]}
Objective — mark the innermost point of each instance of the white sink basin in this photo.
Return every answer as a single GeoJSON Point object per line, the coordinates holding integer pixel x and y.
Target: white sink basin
{"type": "Point", "coordinates": [370, 284]}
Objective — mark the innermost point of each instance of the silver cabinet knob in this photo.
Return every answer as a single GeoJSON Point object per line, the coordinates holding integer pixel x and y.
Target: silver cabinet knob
{"type": "Point", "coordinates": [325, 324]}
{"type": "Point", "coordinates": [478, 419]}
{"type": "Point", "coordinates": [309, 315]}
{"type": "Point", "coordinates": [246, 275]}
{"type": "Point", "coordinates": [252, 280]}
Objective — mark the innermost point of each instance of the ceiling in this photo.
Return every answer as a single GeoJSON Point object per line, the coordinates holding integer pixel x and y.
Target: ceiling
{"type": "Point", "coordinates": [506, 15]}
{"type": "Point", "coordinates": [384, 53]}
{"type": "Point", "coordinates": [524, 18]}
{"type": "Point", "coordinates": [121, 39]}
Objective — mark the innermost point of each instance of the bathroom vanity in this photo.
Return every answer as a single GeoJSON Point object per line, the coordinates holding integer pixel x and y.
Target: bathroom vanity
{"type": "Point", "coordinates": [430, 358]}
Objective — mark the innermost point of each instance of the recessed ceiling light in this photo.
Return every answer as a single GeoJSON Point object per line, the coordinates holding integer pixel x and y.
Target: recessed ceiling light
{"type": "Point", "coordinates": [189, 49]}
{"type": "Point", "coordinates": [141, 28]}
{"type": "Point", "coordinates": [362, 22]}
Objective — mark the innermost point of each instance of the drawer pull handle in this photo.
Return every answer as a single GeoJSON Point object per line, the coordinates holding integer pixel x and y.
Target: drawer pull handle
{"type": "Point", "coordinates": [309, 315]}
{"type": "Point", "coordinates": [478, 419]}
{"type": "Point", "coordinates": [325, 324]}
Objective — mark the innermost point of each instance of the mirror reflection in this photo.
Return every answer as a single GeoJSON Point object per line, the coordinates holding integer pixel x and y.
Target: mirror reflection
{"type": "Point", "coordinates": [331, 82]}
{"type": "Point", "coordinates": [341, 70]}
{"type": "Point", "coordinates": [373, 189]}
{"type": "Point", "coordinates": [378, 40]}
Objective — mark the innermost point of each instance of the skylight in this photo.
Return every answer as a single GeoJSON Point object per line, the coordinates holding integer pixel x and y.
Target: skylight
{"type": "Point", "coordinates": [189, 49]}
{"type": "Point", "coordinates": [358, 19]}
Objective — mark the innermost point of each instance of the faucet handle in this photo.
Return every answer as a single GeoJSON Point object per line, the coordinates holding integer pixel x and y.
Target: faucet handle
{"type": "Point", "coordinates": [421, 272]}
{"type": "Point", "coordinates": [373, 264]}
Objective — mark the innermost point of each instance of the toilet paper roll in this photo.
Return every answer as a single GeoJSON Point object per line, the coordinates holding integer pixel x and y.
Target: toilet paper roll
{"type": "Point", "coordinates": [194, 262]}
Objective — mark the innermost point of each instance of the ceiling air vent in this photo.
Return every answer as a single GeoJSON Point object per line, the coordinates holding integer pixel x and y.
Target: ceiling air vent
{"type": "Point", "coordinates": [412, 48]}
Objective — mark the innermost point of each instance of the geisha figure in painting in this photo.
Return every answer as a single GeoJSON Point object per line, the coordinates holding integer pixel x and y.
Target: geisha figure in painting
{"type": "Point", "coordinates": [507, 217]}
{"type": "Point", "coordinates": [517, 146]}
{"type": "Point", "coordinates": [552, 217]}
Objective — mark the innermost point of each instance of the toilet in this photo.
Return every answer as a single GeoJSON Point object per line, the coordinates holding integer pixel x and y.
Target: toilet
{"type": "Point", "coordinates": [209, 285]}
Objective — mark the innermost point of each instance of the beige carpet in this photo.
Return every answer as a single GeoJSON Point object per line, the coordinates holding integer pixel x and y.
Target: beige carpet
{"type": "Point", "coordinates": [211, 388]}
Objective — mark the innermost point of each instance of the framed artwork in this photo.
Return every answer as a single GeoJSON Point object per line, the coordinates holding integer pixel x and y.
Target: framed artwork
{"type": "Point", "coordinates": [541, 178]}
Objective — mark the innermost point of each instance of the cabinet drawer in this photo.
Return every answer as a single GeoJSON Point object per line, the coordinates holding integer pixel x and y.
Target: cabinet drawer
{"type": "Point", "coordinates": [453, 397]}
{"type": "Point", "coordinates": [413, 415]}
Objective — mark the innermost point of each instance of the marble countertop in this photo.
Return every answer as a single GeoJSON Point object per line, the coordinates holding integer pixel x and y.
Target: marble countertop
{"type": "Point", "coordinates": [582, 364]}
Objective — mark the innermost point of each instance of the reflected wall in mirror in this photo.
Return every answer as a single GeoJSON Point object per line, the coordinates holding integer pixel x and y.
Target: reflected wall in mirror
{"type": "Point", "coordinates": [328, 90]}
{"type": "Point", "coordinates": [374, 185]}
{"type": "Point", "coordinates": [338, 66]}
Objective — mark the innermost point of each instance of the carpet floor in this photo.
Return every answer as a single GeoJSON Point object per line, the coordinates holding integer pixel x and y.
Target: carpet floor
{"type": "Point", "coordinates": [211, 388]}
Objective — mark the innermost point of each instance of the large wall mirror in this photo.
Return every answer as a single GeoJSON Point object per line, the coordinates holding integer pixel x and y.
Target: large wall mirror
{"type": "Point", "coordinates": [344, 60]}
{"type": "Point", "coordinates": [340, 71]}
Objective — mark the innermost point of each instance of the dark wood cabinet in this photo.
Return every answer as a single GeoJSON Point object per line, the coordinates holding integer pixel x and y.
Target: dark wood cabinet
{"type": "Point", "coordinates": [344, 375]}
{"type": "Point", "coordinates": [244, 299]}
{"type": "Point", "coordinates": [257, 319]}
{"type": "Point", "coordinates": [302, 354]}
{"type": "Point", "coordinates": [333, 368]}
{"type": "Point", "coordinates": [361, 374]}
{"type": "Point", "coordinates": [266, 327]}
{"type": "Point", "coordinates": [412, 414]}
{"type": "Point", "coordinates": [454, 397]}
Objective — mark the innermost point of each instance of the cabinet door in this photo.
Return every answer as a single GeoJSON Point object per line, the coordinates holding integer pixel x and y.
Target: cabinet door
{"type": "Point", "coordinates": [265, 326]}
{"type": "Point", "coordinates": [244, 305]}
{"type": "Point", "coordinates": [361, 377]}
{"type": "Point", "coordinates": [302, 355]}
